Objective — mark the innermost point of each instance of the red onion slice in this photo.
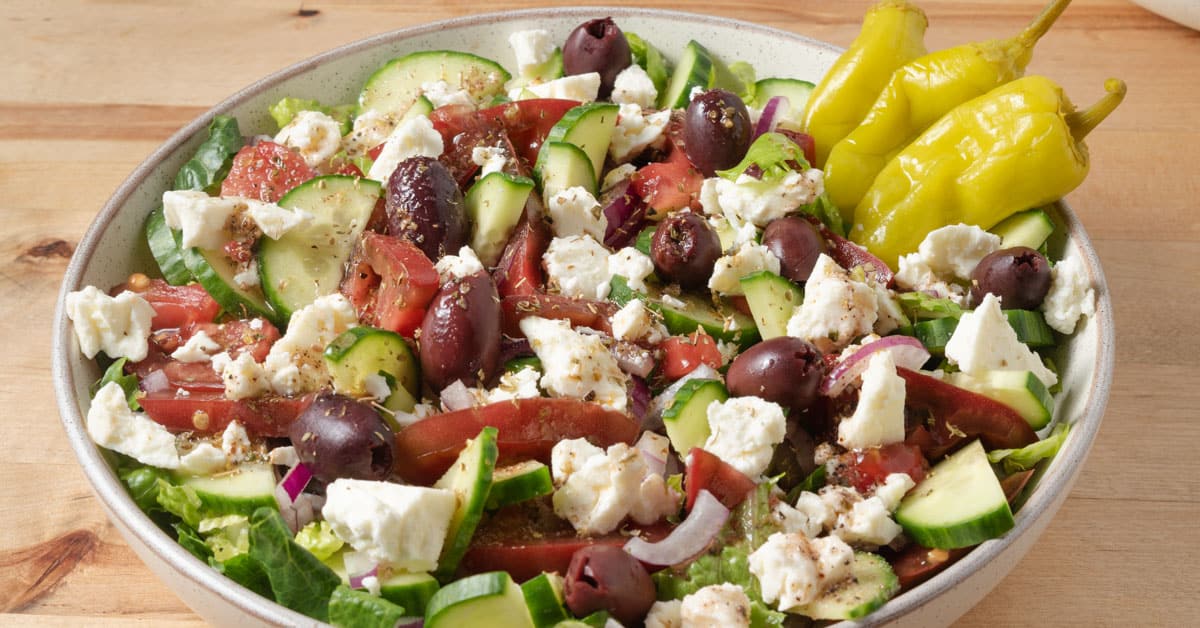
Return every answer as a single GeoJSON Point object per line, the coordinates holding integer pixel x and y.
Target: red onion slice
{"type": "Point", "coordinates": [639, 397]}
{"type": "Point", "coordinates": [624, 215]}
{"type": "Point", "coordinates": [296, 479]}
{"type": "Point", "coordinates": [156, 381]}
{"type": "Point", "coordinates": [688, 539]}
{"type": "Point", "coordinates": [907, 352]}
{"type": "Point", "coordinates": [770, 115]}
{"type": "Point", "coordinates": [655, 463]}
{"type": "Point", "coordinates": [457, 396]}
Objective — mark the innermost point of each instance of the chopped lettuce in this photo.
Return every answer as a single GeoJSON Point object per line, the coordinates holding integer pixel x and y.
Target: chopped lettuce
{"type": "Point", "coordinates": [246, 571]}
{"type": "Point", "coordinates": [355, 609]}
{"type": "Point", "coordinates": [774, 154]}
{"type": "Point", "coordinates": [191, 541]}
{"type": "Point", "coordinates": [731, 565]}
{"type": "Point", "coordinates": [128, 383]}
{"type": "Point", "coordinates": [318, 538]}
{"type": "Point", "coordinates": [143, 483]}
{"type": "Point", "coordinates": [213, 159]}
{"type": "Point", "coordinates": [298, 580]}
{"type": "Point", "coordinates": [919, 306]}
{"type": "Point", "coordinates": [744, 72]}
{"type": "Point", "coordinates": [227, 536]}
{"type": "Point", "coordinates": [1015, 460]}
{"type": "Point", "coordinates": [284, 110]}
{"type": "Point", "coordinates": [752, 522]}
{"type": "Point", "coordinates": [650, 59]}
{"type": "Point", "coordinates": [812, 483]}
{"type": "Point", "coordinates": [180, 501]}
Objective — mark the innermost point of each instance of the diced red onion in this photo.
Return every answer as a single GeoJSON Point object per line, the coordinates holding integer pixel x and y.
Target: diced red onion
{"type": "Point", "coordinates": [156, 381]}
{"type": "Point", "coordinates": [624, 214]}
{"type": "Point", "coordinates": [356, 582]}
{"type": "Point", "coordinates": [654, 463]}
{"type": "Point", "coordinates": [295, 480]}
{"type": "Point", "coordinates": [639, 397]}
{"type": "Point", "coordinates": [906, 351]}
{"type": "Point", "coordinates": [633, 359]}
{"type": "Point", "coordinates": [688, 539]}
{"type": "Point", "coordinates": [770, 115]}
{"type": "Point", "coordinates": [359, 566]}
{"type": "Point", "coordinates": [457, 396]}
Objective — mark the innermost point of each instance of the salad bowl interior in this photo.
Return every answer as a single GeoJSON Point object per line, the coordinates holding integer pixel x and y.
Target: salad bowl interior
{"type": "Point", "coordinates": [113, 247]}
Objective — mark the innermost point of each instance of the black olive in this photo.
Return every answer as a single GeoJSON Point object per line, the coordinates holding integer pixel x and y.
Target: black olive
{"type": "Point", "coordinates": [797, 244]}
{"type": "Point", "coordinates": [339, 437]}
{"type": "Point", "coordinates": [784, 370]}
{"type": "Point", "coordinates": [684, 249]}
{"type": "Point", "coordinates": [597, 46]}
{"type": "Point", "coordinates": [604, 577]}
{"type": "Point", "coordinates": [716, 131]}
{"type": "Point", "coordinates": [1020, 276]}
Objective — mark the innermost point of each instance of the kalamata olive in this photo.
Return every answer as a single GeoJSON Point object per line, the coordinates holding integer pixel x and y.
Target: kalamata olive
{"type": "Point", "coordinates": [604, 577]}
{"type": "Point", "coordinates": [784, 369]}
{"type": "Point", "coordinates": [716, 131]}
{"type": "Point", "coordinates": [339, 437]}
{"type": "Point", "coordinates": [460, 336]}
{"type": "Point", "coordinates": [1020, 276]}
{"type": "Point", "coordinates": [797, 244]}
{"type": "Point", "coordinates": [685, 248]}
{"type": "Point", "coordinates": [597, 46]}
{"type": "Point", "coordinates": [425, 205]}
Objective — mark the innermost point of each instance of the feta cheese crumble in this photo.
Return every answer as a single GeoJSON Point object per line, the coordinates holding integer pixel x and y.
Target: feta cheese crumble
{"type": "Point", "coordinates": [441, 93]}
{"type": "Point", "coordinates": [401, 526]}
{"type": "Point", "coordinates": [576, 365]}
{"type": "Point", "coordinates": [206, 221]}
{"type": "Point", "coordinates": [577, 266]}
{"type": "Point", "coordinates": [112, 425]}
{"type": "Point", "coordinates": [793, 570]}
{"type": "Point", "coordinates": [532, 48]}
{"type": "Point", "coordinates": [632, 264]}
{"type": "Point", "coordinates": [879, 417]}
{"type": "Point", "coordinates": [724, 605]}
{"type": "Point", "coordinates": [748, 258]}
{"type": "Point", "coordinates": [743, 432]}
{"type": "Point", "coordinates": [1070, 296]}
{"type": "Point", "coordinates": [415, 137]}
{"type": "Point", "coordinates": [597, 489]}
{"type": "Point", "coordinates": [489, 158]}
{"type": "Point", "coordinates": [759, 202]}
{"type": "Point", "coordinates": [633, 86]}
{"type": "Point", "coordinates": [243, 377]}
{"type": "Point", "coordinates": [465, 264]}
{"type": "Point", "coordinates": [296, 363]}
{"type": "Point", "coordinates": [118, 326]}
{"type": "Point", "coordinates": [315, 135]}
{"type": "Point", "coordinates": [945, 255]}
{"type": "Point", "coordinates": [580, 87]}
{"type": "Point", "coordinates": [836, 308]}
{"type": "Point", "coordinates": [634, 323]}
{"type": "Point", "coordinates": [574, 211]}
{"type": "Point", "coordinates": [198, 348]}
{"type": "Point", "coordinates": [636, 132]}
{"type": "Point", "coordinates": [984, 341]}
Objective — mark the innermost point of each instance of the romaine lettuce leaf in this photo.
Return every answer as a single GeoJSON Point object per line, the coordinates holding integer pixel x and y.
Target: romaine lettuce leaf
{"type": "Point", "coordinates": [355, 609]}
{"type": "Point", "coordinates": [1014, 460]}
{"type": "Point", "coordinates": [208, 167]}
{"type": "Point", "coordinates": [318, 538]}
{"type": "Point", "coordinates": [298, 580]}
{"type": "Point", "coordinates": [774, 154]}
{"type": "Point", "coordinates": [128, 383]}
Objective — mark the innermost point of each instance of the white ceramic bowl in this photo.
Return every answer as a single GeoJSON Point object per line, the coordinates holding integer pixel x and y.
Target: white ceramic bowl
{"type": "Point", "coordinates": [113, 247]}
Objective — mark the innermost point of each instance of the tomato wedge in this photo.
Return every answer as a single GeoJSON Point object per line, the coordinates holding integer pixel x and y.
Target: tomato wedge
{"type": "Point", "coordinates": [176, 306]}
{"type": "Point", "coordinates": [528, 430]}
{"type": "Point", "coordinates": [526, 122]}
{"type": "Point", "coordinates": [959, 416]}
{"type": "Point", "coordinates": [705, 471]}
{"type": "Point", "coordinates": [209, 412]}
{"type": "Point", "coordinates": [683, 354]}
{"type": "Point", "coordinates": [390, 283]}
{"type": "Point", "coordinates": [519, 271]}
{"type": "Point", "coordinates": [581, 312]}
{"type": "Point", "coordinates": [265, 172]}
{"type": "Point", "coordinates": [867, 468]}
{"type": "Point", "coordinates": [235, 337]}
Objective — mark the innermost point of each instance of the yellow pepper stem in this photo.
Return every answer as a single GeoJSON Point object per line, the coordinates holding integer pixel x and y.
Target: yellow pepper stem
{"type": "Point", "coordinates": [1082, 122]}
{"type": "Point", "coordinates": [1042, 23]}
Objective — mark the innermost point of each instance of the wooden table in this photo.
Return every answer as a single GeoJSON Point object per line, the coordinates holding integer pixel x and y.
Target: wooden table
{"type": "Point", "coordinates": [89, 88]}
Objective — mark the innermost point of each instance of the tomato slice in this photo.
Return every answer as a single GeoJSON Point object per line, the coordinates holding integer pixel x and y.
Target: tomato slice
{"type": "Point", "coordinates": [668, 185]}
{"type": "Point", "coordinates": [867, 468]}
{"type": "Point", "coordinates": [916, 564]}
{"type": "Point", "coordinates": [234, 337]}
{"type": "Point", "coordinates": [526, 122]}
{"type": "Point", "coordinates": [705, 471]}
{"type": "Point", "coordinates": [528, 430]}
{"type": "Point", "coordinates": [390, 283]}
{"type": "Point", "coordinates": [959, 416]}
{"type": "Point", "coordinates": [683, 354]}
{"type": "Point", "coordinates": [176, 306]}
{"type": "Point", "coordinates": [581, 312]}
{"type": "Point", "coordinates": [519, 271]}
{"type": "Point", "coordinates": [265, 171]}
{"type": "Point", "coordinates": [209, 412]}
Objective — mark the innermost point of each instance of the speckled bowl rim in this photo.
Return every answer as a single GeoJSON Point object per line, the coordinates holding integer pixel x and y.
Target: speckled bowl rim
{"type": "Point", "coordinates": [116, 500]}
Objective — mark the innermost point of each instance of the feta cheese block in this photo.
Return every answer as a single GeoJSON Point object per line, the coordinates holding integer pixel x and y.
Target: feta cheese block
{"type": "Point", "coordinates": [574, 212]}
{"type": "Point", "coordinates": [112, 425]}
{"type": "Point", "coordinates": [198, 348]}
{"type": "Point", "coordinates": [634, 87]}
{"type": "Point", "coordinates": [836, 308]}
{"type": "Point", "coordinates": [759, 202]}
{"type": "Point", "coordinates": [724, 605]}
{"type": "Point", "coordinates": [879, 417]}
{"type": "Point", "coordinates": [296, 363]}
{"type": "Point", "coordinates": [401, 526]}
{"type": "Point", "coordinates": [580, 87]}
{"type": "Point", "coordinates": [315, 135]}
{"type": "Point", "coordinates": [578, 267]}
{"type": "Point", "coordinates": [576, 365]}
{"type": "Point", "coordinates": [1070, 296]}
{"type": "Point", "coordinates": [743, 432]}
{"type": "Point", "coordinates": [635, 322]}
{"type": "Point", "coordinates": [946, 255]}
{"type": "Point", "coordinates": [597, 489]}
{"type": "Point", "coordinates": [636, 132]}
{"type": "Point", "coordinates": [119, 326]}
{"type": "Point", "coordinates": [632, 264]}
{"type": "Point", "coordinates": [532, 48]}
{"type": "Point", "coordinates": [414, 137]}
{"type": "Point", "coordinates": [243, 377]}
{"type": "Point", "coordinates": [984, 341]}
{"type": "Point", "coordinates": [749, 258]}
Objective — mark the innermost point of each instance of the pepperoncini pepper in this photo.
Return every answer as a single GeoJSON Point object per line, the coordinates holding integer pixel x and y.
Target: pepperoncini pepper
{"type": "Point", "coordinates": [1018, 146]}
{"type": "Point", "coordinates": [919, 93]}
{"type": "Point", "coordinates": [893, 33]}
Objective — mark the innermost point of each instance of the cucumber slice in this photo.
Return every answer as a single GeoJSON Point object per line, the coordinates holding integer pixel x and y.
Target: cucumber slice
{"type": "Point", "coordinates": [1020, 390]}
{"type": "Point", "coordinates": [1030, 326]}
{"type": "Point", "coordinates": [362, 351]}
{"type": "Point", "coordinates": [470, 477]}
{"type": "Point", "coordinates": [1028, 228]}
{"type": "Point", "coordinates": [683, 314]}
{"type": "Point", "coordinates": [166, 250]}
{"type": "Point", "coordinates": [393, 88]}
{"type": "Point", "coordinates": [772, 301]}
{"type": "Point", "coordinates": [519, 482]}
{"type": "Point", "coordinates": [486, 599]}
{"type": "Point", "coordinates": [422, 106]}
{"type": "Point", "coordinates": [308, 261]}
{"type": "Point", "coordinates": [687, 418]}
{"type": "Point", "coordinates": [516, 364]}
{"type": "Point", "coordinates": [563, 165]}
{"type": "Point", "coordinates": [796, 91]}
{"type": "Point", "coordinates": [871, 584]}
{"type": "Point", "coordinates": [239, 492]}
{"type": "Point", "coordinates": [695, 69]}
{"type": "Point", "coordinates": [959, 504]}
{"type": "Point", "coordinates": [215, 272]}
{"type": "Point", "coordinates": [410, 590]}
{"type": "Point", "coordinates": [495, 204]}
{"type": "Point", "coordinates": [651, 60]}
{"type": "Point", "coordinates": [544, 597]}
{"type": "Point", "coordinates": [551, 69]}
{"type": "Point", "coordinates": [590, 127]}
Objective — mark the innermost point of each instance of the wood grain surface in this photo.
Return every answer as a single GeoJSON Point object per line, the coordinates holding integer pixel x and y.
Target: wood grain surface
{"type": "Point", "coordinates": [90, 87]}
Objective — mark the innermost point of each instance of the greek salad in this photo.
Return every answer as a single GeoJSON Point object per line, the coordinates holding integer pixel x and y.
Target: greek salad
{"type": "Point", "coordinates": [580, 343]}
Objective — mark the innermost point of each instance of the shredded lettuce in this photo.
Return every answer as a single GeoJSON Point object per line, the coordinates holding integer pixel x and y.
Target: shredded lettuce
{"type": "Point", "coordinates": [128, 383]}
{"type": "Point", "coordinates": [298, 580]}
{"type": "Point", "coordinates": [355, 609]}
{"type": "Point", "coordinates": [318, 538]}
{"type": "Point", "coordinates": [774, 154]}
{"type": "Point", "coordinates": [1015, 460]}
{"type": "Point", "coordinates": [650, 59]}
